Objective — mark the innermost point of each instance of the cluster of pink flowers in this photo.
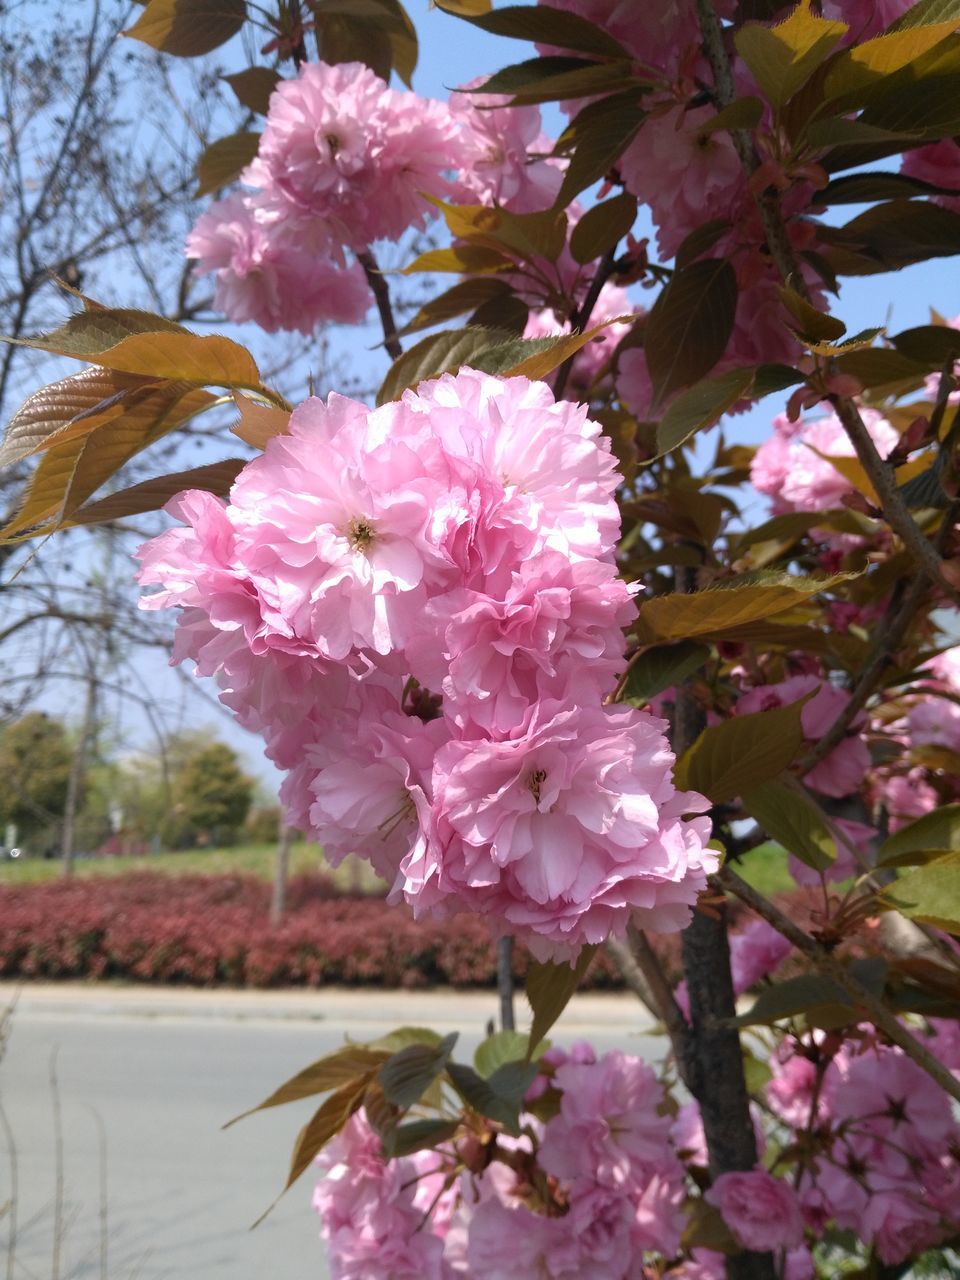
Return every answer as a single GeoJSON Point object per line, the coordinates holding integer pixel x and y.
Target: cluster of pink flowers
{"type": "Point", "coordinates": [591, 1190]}
{"type": "Point", "coordinates": [602, 1177]}
{"type": "Point", "coordinates": [794, 469]}
{"type": "Point", "coordinates": [344, 161]}
{"type": "Point", "coordinates": [887, 1158]}
{"type": "Point", "coordinates": [418, 607]}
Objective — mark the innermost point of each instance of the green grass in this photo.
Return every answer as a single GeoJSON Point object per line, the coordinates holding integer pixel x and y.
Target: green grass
{"type": "Point", "coordinates": [251, 859]}
{"type": "Point", "coordinates": [765, 868]}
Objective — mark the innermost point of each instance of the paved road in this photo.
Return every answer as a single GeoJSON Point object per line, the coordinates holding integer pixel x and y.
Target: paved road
{"type": "Point", "coordinates": [162, 1071]}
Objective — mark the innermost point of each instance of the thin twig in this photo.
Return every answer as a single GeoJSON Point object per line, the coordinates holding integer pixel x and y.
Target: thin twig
{"type": "Point", "coordinates": [381, 292]}
{"type": "Point", "coordinates": [861, 998]}
{"type": "Point", "coordinates": [580, 317]}
{"type": "Point", "coordinates": [669, 1012]}
{"type": "Point", "coordinates": [884, 480]}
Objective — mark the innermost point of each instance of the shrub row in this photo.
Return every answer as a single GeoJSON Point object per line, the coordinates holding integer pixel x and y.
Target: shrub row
{"type": "Point", "coordinates": [215, 930]}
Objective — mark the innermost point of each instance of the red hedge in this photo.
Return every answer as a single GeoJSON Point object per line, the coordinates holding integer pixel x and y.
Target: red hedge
{"type": "Point", "coordinates": [214, 930]}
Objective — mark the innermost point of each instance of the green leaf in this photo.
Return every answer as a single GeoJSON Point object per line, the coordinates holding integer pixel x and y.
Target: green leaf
{"type": "Point", "coordinates": [407, 1075]}
{"type": "Point", "coordinates": [498, 1049]}
{"type": "Point", "coordinates": [929, 344]}
{"type": "Point", "coordinates": [784, 57]}
{"type": "Point", "coordinates": [465, 8]}
{"type": "Point", "coordinates": [151, 495]}
{"type": "Point", "coordinates": [600, 133]}
{"type": "Point", "coordinates": [141, 343]}
{"type": "Point", "coordinates": [534, 358]}
{"type": "Point", "coordinates": [662, 667]}
{"type": "Point", "coordinates": [224, 161]}
{"type": "Point", "coordinates": [444, 352]}
{"type": "Point", "coordinates": [525, 77]}
{"type": "Point", "coordinates": [460, 259]}
{"type": "Point", "coordinates": [74, 468]}
{"type": "Point", "coordinates": [742, 113]}
{"type": "Point", "coordinates": [464, 296]}
{"type": "Point", "coordinates": [862, 65]}
{"type": "Point", "coordinates": [352, 1065]}
{"type": "Point", "coordinates": [603, 227]}
{"type": "Point", "coordinates": [931, 893]}
{"type": "Point", "coordinates": [325, 1124]}
{"type": "Point", "coordinates": [404, 1036]}
{"type": "Point", "coordinates": [937, 830]}
{"type": "Point", "coordinates": [689, 325]}
{"type": "Point", "coordinates": [253, 87]}
{"type": "Point", "coordinates": [418, 1135]}
{"type": "Point", "coordinates": [900, 232]}
{"type": "Point", "coordinates": [865, 188]}
{"type": "Point", "coordinates": [549, 987]}
{"type": "Point", "coordinates": [97, 329]}
{"type": "Point", "coordinates": [499, 1097]}
{"type": "Point", "coordinates": [810, 322]}
{"type": "Point", "coordinates": [785, 528]}
{"type": "Point", "coordinates": [742, 752]}
{"type": "Point", "coordinates": [810, 993]}
{"type": "Point", "coordinates": [770, 378]}
{"type": "Point", "coordinates": [530, 235]}
{"type": "Point", "coordinates": [791, 818]}
{"type": "Point", "coordinates": [188, 28]}
{"type": "Point", "coordinates": [881, 367]}
{"type": "Point", "coordinates": [926, 11]}
{"type": "Point", "coordinates": [544, 25]}
{"type": "Point", "coordinates": [700, 406]}
{"type": "Point", "coordinates": [700, 240]}
{"type": "Point", "coordinates": [926, 112]}
{"type": "Point", "coordinates": [73, 406]}
{"type": "Point", "coordinates": [679, 615]}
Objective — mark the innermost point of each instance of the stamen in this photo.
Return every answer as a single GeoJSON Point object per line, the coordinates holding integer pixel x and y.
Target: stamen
{"type": "Point", "coordinates": [535, 781]}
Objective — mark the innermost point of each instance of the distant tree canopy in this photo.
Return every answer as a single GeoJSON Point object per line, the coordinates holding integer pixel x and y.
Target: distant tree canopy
{"type": "Point", "coordinates": [213, 797]}
{"type": "Point", "coordinates": [35, 758]}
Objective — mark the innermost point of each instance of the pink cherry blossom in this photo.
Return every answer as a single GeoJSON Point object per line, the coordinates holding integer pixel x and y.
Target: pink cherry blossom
{"type": "Point", "coordinates": [504, 152]}
{"type": "Point", "coordinates": [556, 629]}
{"type": "Point", "coordinates": [756, 952]}
{"type": "Point", "coordinates": [268, 271]}
{"type": "Point", "coordinates": [793, 465]}
{"type": "Point", "coordinates": [567, 829]}
{"type": "Point", "coordinates": [681, 170]}
{"type": "Point", "coordinates": [341, 147]}
{"type": "Point", "coordinates": [762, 1211]}
{"type": "Point", "coordinates": [609, 1127]}
{"type": "Point", "coordinates": [372, 1220]}
{"type": "Point", "coordinates": [939, 164]}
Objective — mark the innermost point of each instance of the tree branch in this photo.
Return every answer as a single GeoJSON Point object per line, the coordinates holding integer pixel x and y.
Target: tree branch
{"type": "Point", "coordinates": [875, 1009]}
{"type": "Point", "coordinates": [381, 292]}
{"type": "Point", "coordinates": [580, 317]}
{"type": "Point", "coordinates": [883, 478]}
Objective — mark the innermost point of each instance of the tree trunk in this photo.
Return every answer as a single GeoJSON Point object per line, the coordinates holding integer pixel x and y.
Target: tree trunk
{"type": "Point", "coordinates": [75, 781]}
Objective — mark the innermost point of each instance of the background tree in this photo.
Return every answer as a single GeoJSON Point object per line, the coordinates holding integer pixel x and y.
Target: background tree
{"type": "Point", "coordinates": [210, 795]}
{"type": "Point", "coordinates": [35, 762]}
